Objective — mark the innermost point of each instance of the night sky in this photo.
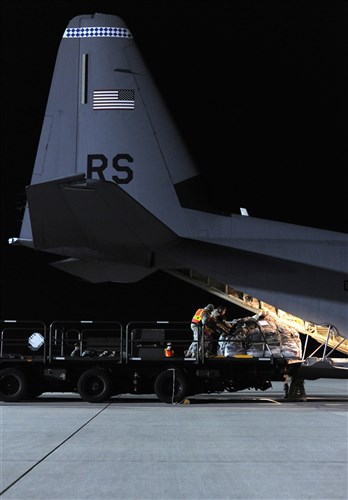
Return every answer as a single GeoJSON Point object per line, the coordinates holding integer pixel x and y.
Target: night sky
{"type": "Point", "coordinates": [259, 93]}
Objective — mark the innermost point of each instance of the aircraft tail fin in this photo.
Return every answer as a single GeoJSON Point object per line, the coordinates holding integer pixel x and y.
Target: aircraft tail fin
{"type": "Point", "coordinates": [106, 119]}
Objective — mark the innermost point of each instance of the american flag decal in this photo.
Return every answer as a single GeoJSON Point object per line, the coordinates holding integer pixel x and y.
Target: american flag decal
{"type": "Point", "coordinates": [113, 99]}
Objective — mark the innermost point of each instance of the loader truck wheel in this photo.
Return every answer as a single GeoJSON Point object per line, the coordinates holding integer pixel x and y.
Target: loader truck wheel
{"type": "Point", "coordinates": [171, 386]}
{"type": "Point", "coordinates": [94, 386]}
{"type": "Point", "coordinates": [13, 385]}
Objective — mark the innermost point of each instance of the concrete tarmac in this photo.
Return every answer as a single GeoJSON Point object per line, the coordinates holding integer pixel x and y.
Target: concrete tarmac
{"type": "Point", "coordinates": [244, 445]}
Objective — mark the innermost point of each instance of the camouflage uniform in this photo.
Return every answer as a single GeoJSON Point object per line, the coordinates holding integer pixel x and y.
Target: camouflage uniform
{"type": "Point", "coordinates": [199, 323]}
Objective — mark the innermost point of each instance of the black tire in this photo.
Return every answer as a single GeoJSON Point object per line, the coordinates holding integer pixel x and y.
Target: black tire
{"type": "Point", "coordinates": [171, 386]}
{"type": "Point", "coordinates": [94, 385]}
{"type": "Point", "coordinates": [13, 385]}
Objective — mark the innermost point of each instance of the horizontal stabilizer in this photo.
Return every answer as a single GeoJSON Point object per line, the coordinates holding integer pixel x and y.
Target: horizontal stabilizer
{"type": "Point", "coordinates": [24, 242]}
{"type": "Point", "coordinates": [103, 271]}
{"type": "Point", "coordinates": [96, 221]}
{"type": "Point", "coordinates": [51, 219]}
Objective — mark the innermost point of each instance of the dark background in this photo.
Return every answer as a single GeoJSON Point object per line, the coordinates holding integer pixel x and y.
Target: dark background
{"type": "Point", "coordinates": [259, 92]}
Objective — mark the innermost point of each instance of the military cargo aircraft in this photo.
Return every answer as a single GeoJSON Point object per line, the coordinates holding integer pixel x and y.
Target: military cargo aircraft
{"type": "Point", "coordinates": [113, 192]}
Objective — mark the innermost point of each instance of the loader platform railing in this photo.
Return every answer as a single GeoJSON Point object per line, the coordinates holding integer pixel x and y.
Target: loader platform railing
{"type": "Point", "coordinates": [23, 339]}
{"type": "Point", "coordinates": [148, 340]}
{"type": "Point", "coordinates": [85, 338]}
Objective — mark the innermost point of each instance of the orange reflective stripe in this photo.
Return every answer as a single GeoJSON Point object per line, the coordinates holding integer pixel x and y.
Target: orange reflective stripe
{"type": "Point", "coordinates": [197, 316]}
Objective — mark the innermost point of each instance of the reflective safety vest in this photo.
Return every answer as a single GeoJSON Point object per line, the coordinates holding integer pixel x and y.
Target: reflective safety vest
{"type": "Point", "coordinates": [197, 317]}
